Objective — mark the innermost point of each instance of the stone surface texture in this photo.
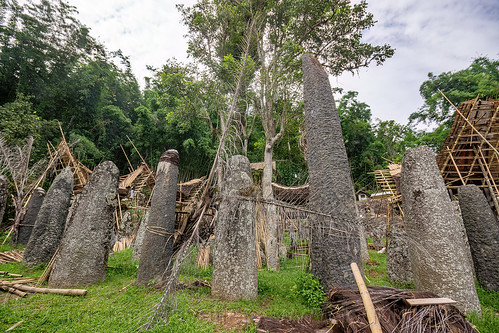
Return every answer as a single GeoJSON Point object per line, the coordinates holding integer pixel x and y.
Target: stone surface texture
{"type": "Point", "coordinates": [438, 252]}
{"type": "Point", "coordinates": [4, 194]}
{"type": "Point", "coordinates": [398, 264]}
{"type": "Point", "coordinates": [157, 247]}
{"type": "Point", "coordinates": [126, 227]}
{"type": "Point", "coordinates": [139, 238]}
{"type": "Point", "coordinates": [50, 221]}
{"type": "Point", "coordinates": [335, 242]}
{"type": "Point", "coordinates": [234, 256]}
{"type": "Point", "coordinates": [28, 221]}
{"type": "Point", "coordinates": [84, 249]}
{"type": "Point", "coordinates": [482, 230]}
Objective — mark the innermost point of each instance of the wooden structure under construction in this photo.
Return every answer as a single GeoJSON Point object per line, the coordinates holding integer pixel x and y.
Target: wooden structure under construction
{"type": "Point", "coordinates": [470, 152]}
{"type": "Point", "coordinates": [388, 181]}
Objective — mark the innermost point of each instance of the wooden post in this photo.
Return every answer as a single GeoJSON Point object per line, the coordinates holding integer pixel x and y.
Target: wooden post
{"type": "Point", "coordinates": [366, 299]}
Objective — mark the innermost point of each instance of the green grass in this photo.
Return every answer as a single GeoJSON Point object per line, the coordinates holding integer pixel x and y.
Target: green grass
{"type": "Point", "coordinates": [117, 305]}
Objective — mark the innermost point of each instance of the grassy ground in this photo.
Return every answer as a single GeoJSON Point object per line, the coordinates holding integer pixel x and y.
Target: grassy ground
{"type": "Point", "coordinates": [117, 305]}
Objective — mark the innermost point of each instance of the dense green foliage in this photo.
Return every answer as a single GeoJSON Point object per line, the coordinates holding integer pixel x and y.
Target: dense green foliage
{"type": "Point", "coordinates": [52, 70]}
{"type": "Point", "coordinates": [480, 79]}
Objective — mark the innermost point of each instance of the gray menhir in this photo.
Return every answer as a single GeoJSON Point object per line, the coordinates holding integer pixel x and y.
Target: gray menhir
{"type": "Point", "coordinates": [438, 252]}
{"type": "Point", "coordinates": [335, 240]}
{"type": "Point", "coordinates": [139, 239]}
{"type": "Point", "coordinates": [28, 221]}
{"type": "Point", "coordinates": [4, 194]}
{"type": "Point", "coordinates": [483, 235]}
{"type": "Point", "coordinates": [84, 249]}
{"type": "Point", "coordinates": [398, 265]}
{"type": "Point", "coordinates": [157, 246]}
{"type": "Point", "coordinates": [50, 221]}
{"type": "Point", "coordinates": [234, 256]}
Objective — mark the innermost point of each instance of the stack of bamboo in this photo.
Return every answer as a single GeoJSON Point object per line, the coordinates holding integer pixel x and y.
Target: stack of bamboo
{"type": "Point", "coordinates": [15, 284]}
{"type": "Point", "coordinates": [12, 256]}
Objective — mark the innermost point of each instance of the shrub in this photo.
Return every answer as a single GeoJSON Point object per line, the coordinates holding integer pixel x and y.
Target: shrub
{"type": "Point", "coordinates": [309, 290]}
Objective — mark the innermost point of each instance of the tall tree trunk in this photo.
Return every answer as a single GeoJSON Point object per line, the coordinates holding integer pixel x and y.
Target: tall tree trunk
{"type": "Point", "coordinates": [270, 210]}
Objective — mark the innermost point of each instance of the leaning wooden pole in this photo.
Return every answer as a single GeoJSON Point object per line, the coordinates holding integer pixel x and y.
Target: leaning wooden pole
{"type": "Point", "coordinates": [366, 299]}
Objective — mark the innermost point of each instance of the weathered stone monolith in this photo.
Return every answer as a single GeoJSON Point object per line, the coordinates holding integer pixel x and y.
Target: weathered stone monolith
{"type": "Point", "coordinates": [335, 242]}
{"type": "Point", "coordinates": [398, 264]}
{"type": "Point", "coordinates": [234, 256]}
{"type": "Point", "coordinates": [438, 252]}
{"type": "Point", "coordinates": [4, 189]}
{"type": "Point", "coordinates": [125, 229]}
{"type": "Point", "coordinates": [28, 221]}
{"type": "Point", "coordinates": [50, 221]}
{"type": "Point", "coordinates": [139, 239]}
{"type": "Point", "coordinates": [84, 249]}
{"type": "Point", "coordinates": [157, 247]}
{"type": "Point", "coordinates": [483, 235]}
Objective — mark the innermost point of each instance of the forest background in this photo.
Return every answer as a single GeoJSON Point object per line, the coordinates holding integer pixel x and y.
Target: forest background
{"type": "Point", "coordinates": [52, 70]}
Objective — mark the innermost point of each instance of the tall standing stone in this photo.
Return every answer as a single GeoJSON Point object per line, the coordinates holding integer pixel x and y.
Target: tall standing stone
{"type": "Point", "coordinates": [84, 249]}
{"type": "Point", "coordinates": [438, 252]}
{"type": "Point", "coordinates": [335, 241]}
{"type": "Point", "coordinates": [4, 194]}
{"type": "Point", "coordinates": [50, 221]}
{"type": "Point", "coordinates": [398, 264]}
{"type": "Point", "coordinates": [28, 221]}
{"type": "Point", "coordinates": [157, 248]}
{"type": "Point", "coordinates": [139, 239]}
{"type": "Point", "coordinates": [483, 235]}
{"type": "Point", "coordinates": [234, 257]}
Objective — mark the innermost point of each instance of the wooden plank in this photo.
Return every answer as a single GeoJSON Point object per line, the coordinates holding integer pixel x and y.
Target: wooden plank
{"type": "Point", "coordinates": [429, 301]}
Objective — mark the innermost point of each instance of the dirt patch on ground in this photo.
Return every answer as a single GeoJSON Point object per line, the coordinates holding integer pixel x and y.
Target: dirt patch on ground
{"type": "Point", "coordinates": [228, 320]}
{"type": "Point", "coordinates": [277, 325]}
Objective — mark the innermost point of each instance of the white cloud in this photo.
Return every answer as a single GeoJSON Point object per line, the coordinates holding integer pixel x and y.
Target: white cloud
{"type": "Point", "coordinates": [429, 36]}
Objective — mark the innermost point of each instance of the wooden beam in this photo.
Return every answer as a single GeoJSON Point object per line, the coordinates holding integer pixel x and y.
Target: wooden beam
{"type": "Point", "coordinates": [429, 301]}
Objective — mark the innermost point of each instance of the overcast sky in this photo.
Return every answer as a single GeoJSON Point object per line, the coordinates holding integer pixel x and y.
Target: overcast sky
{"type": "Point", "coordinates": [428, 35]}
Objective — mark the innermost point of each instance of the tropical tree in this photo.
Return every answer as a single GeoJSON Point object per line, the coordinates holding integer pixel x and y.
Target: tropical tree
{"type": "Point", "coordinates": [284, 30]}
{"type": "Point", "coordinates": [481, 79]}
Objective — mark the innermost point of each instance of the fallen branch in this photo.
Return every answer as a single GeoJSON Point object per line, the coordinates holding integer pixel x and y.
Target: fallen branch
{"type": "Point", "coordinates": [75, 292]}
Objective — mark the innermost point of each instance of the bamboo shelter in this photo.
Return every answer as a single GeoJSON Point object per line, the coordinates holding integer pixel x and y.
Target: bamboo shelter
{"type": "Point", "coordinates": [470, 154]}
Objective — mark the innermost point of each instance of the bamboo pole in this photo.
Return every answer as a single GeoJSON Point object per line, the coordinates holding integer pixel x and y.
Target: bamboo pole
{"type": "Point", "coordinates": [131, 167]}
{"type": "Point", "coordinates": [136, 150]}
{"type": "Point", "coordinates": [488, 170]}
{"type": "Point", "coordinates": [489, 185]}
{"type": "Point", "coordinates": [366, 299]}
{"type": "Point", "coordinates": [44, 277]}
{"type": "Point", "coordinates": [14, 291]}
{"type": "Point", "coordinates": [10, 231]}
{"type": "Point", "coordinates": [75, 292]}
{"type": "Point", "coordinates": [455, 166]}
